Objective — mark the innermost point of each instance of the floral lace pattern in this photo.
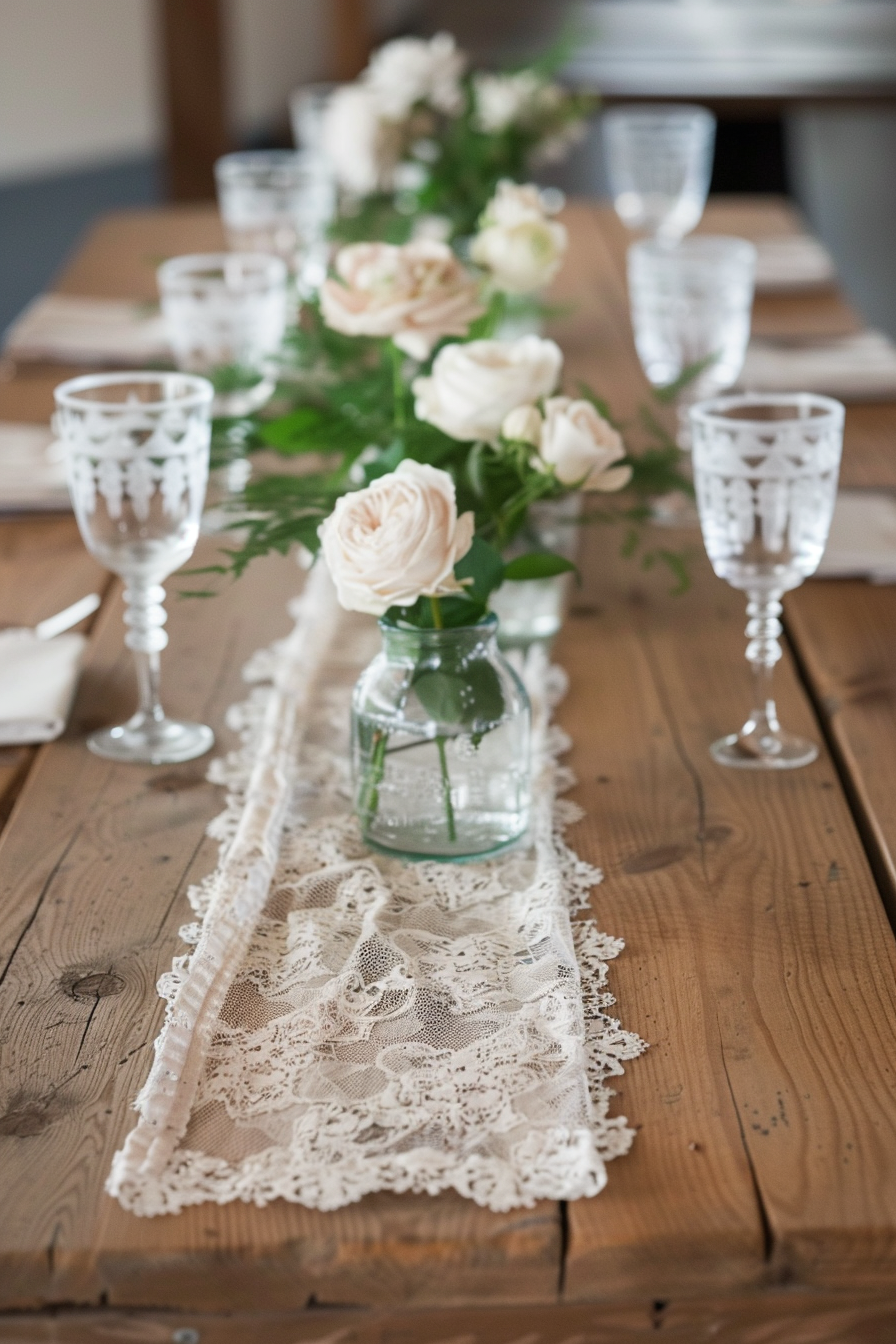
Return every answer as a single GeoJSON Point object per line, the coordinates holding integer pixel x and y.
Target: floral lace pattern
{"type": "Point", "coordinates": [346, 1023]}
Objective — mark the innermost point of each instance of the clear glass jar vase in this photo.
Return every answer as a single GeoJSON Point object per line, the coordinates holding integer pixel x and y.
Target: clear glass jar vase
{"type": "Point", "coordinates": [440, 745]}
{"type": "Point", "coordinates": [532, 610]}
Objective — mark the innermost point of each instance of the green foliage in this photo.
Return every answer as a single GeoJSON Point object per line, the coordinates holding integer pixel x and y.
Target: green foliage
{"type": "Point", "coordinates": [481, 570]}
{"type": "Point", "coordinates": [537, 565]}
{"type": "Point", "coordinates": [669, 394]}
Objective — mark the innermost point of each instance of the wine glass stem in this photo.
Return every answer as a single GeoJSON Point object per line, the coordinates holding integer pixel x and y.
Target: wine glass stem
{"type": "Point", "coordinates": [763, 652]}
{"type": "Point", "coordinates": [145, 617]}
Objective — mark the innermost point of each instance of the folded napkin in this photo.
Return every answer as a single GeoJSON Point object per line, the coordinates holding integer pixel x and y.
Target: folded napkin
{"type": "Point", "coordinates": [862, 540]}
{"type": "Point", "coordinates": [87, 331]}
{"type": "Point", "coordinates": [32, 470]}
{"type": "Point", "coordinates": [854, 368]}
{"type": "Point", "coordinates": [37, 684]}
{"type": "Point", "coordinates": [792, 263]}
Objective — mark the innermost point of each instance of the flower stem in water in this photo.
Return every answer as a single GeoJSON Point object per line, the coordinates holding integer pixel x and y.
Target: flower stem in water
{"type": "Point", "coordinates": [370, 796]}
{"type": "Point", "coordinates": [446, 789]}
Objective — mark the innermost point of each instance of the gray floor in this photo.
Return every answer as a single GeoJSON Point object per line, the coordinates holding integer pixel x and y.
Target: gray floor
{"type": "Point", "coordinates": [41, 221]}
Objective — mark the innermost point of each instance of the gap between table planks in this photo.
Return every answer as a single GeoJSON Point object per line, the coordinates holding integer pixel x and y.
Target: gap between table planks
{"type": "Point", "coordinates": [778, 1317]}
{"type": "Point", "coordinates": [675, 1217]}
{"type": "Point", "coordinates": [811, 1081]}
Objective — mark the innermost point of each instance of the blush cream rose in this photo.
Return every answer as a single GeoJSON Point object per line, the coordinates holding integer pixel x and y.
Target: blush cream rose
{"type": "Point", "coordinates": [415, 294]}
{"type": "Point", "coordinates": [581, 446]}
{"type": "Point", "coordinates": [474, 386]}
{"type": "Point", "coordinates": [396, 540]}
{"type": "Point", "coordinates": [518, 242]}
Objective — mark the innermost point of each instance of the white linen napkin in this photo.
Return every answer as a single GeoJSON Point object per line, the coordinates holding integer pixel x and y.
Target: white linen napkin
{"type": "Point", "coordinates": [855, 368]}
{"type": "Point", "coordinates": [32, 469]}
{"type": "Point", "coordinates": [862, 541]}
{"type": "Point", "coordinates": [37, 684]}
{"type": "Point", "coordinates": [76, 330]}
{"type": "Point", "coordinates": [791, 263]}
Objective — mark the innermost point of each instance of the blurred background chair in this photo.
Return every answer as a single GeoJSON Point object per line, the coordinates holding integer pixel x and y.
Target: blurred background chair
{"type": "Point", "coordinates": [111, 103]}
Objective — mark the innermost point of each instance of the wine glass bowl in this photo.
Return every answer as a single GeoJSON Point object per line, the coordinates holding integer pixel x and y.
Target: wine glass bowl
{"type": "Point", "coordinates": [279, 201]}
{"type": "Point", "coordinates": [136, 447]}
{"type": "Point", "coordinates": [225, 314]}
{"type": "Point", "coordinates": [659, 163]}
{"type": "Point", "coordinates": [691, 305]}
{"type": "Point", "coordinates": [765, 474]}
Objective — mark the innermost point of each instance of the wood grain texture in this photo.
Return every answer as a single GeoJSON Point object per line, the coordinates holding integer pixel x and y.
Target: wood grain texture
{"type": "Point", "coordinates": [845, 633]}
{"type": "Point", "coordinates": [765, 895]}
{"type": "Point", "coordinates": [775, 1318]}
{"type": "Point", "coordinates": [758, 964]}
{"type": "Point", "coordinates": [93, 897]}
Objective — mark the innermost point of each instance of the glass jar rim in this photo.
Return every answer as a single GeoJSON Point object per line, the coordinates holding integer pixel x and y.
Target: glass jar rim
{"type": "Point", "coordinates": [196, 392]}
{"type": "Point", "coordinates": [197, 270]}
{"type": "Point", "coordinates": [701, 247]}
{"type": "Point", "coordinates": [486, 626]}
{"type": "Point", "coordinates": [648, 112]}
{"type": "Point", "coordinates": [244, 162]}
{"type": "Point", "coordinates": [715, 413]}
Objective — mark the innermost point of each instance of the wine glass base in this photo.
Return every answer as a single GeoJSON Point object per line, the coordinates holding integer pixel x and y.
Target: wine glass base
{"type": "Point", "coordinates": [785, 751]}
{"type": "Point", "coordinates": [161, 742]}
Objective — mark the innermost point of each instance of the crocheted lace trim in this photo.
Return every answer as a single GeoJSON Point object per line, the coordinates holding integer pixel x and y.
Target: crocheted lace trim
{"type": "Point", "coordinates": [345, 1023]}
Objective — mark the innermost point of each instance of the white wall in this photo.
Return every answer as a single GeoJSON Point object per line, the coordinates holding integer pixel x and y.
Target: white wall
{"type": "Point", "coordinates": [77, 84]}
{"type": "Point", "coordinates": [79, 79]}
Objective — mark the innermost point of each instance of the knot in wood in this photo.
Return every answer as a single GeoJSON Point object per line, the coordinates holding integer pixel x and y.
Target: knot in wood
{"type": "Point", "coordinates": [649, 860]}
{"type": "Point", "coordinates": [97, 985]}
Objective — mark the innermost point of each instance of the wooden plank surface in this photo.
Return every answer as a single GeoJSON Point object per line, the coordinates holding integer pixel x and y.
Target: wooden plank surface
{"type": "Point", "coordinates": [762, 883]}
{"type": "Point", "coordinates": [766, 1149]}
{"type": "Point", "coordinates": [778, 1317]}
{"type": "Point", "coordinates": [93, 875]}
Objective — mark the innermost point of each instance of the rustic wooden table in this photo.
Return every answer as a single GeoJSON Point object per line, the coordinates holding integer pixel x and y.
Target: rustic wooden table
{"type": "Point", "coordinates": [759, 1201]}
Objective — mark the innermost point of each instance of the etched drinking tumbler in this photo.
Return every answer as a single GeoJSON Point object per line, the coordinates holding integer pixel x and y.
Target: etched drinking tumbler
{"type": "Point", "coordinates": [691, 306]}
{"type": "Point", "coordinates": [765, 472]}
{"type": "Point", "coordinates": [279, 201]}
{"type": "Point", "coordinates": [136, 447]}
{"type": "Point", "coordinates": [225, 314]}
{"type": "Point", "coordinates": [659, 162]}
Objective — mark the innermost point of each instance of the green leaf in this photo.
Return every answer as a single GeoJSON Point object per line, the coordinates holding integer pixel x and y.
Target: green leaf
{"type": "Point", "coordinates": [537, 565]}
{"type": "Point", "coordinates": [469, 696]}
{"type": "Point", "coordinates": [484, 566]}
{"type": "Point", "coordinates": [455, 612]}
{"type": "Point", "coordinates": [671, 391]}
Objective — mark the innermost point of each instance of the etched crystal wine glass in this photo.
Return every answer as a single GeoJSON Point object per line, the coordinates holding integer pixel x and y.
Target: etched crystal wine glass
{"type": "Point", "coordinates": [279, 201]}
{"type": "Point", "coordinates": [659, 162]}
{"type": "Point", "coordinates": [225, 315]}
{"type": "Point", "coordinates": [136, 448]}
{"type": "Point", "coordinates": [691, 305]}
{"type": "Point", "coordinates": [765, 471]}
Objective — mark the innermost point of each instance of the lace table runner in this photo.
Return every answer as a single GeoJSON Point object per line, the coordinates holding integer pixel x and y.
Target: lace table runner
{"type": "Point", "coordinates": [346, 1023]}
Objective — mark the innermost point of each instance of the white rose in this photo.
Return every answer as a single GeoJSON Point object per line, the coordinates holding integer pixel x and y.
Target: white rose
{"type": "Point", "coordinates": [416, 294]}
{"type": "Point", "coordinates": [518, 242]}
{"type": "Point", "coordinates": [411, 70]}
{"type": "Point", "coordinates": [523, 425]}
{"type": "Point", "coordinates": [362, 147]}
{"type": "Point", "coordinates": [397, 540]}
{"type": "Point", "coordinates": [581, 446]}
{"type": "Point", "coordinates": [474, 386]}
{"type": "Point", "coordinates": [504, 100]}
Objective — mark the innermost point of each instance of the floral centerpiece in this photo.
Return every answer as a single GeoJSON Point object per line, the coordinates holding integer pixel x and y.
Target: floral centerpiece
{"type": "Point", "coordinates": [400, 364]}
{"type": "Point", "coordinates": [418, 142]}
{"type": "Point", "coordinates": [440, 721]}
